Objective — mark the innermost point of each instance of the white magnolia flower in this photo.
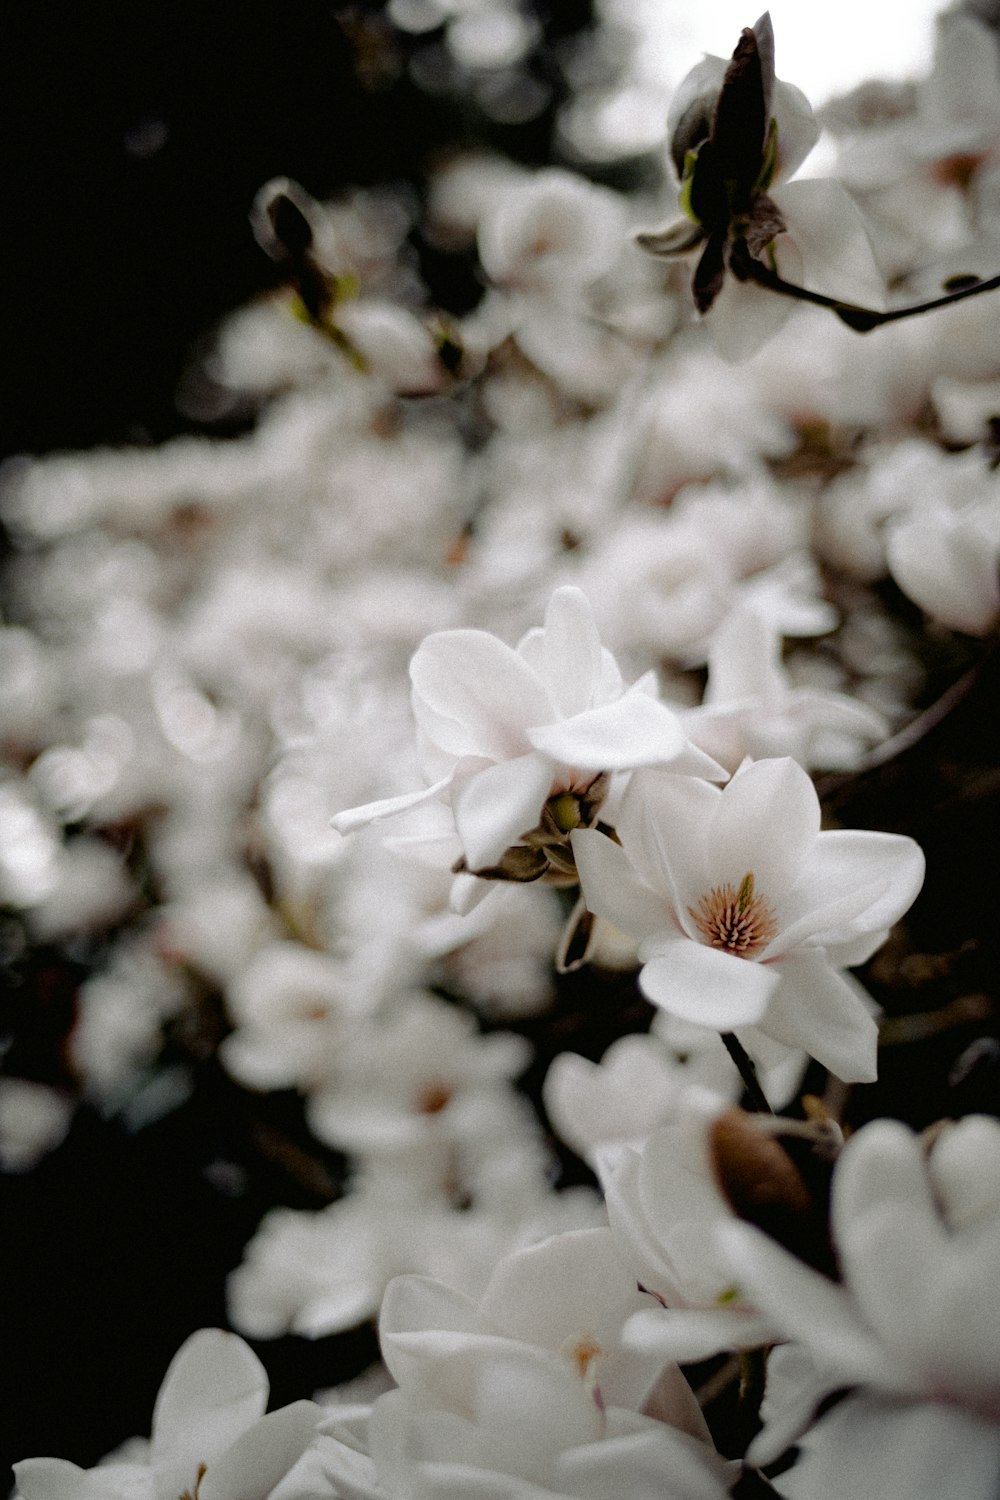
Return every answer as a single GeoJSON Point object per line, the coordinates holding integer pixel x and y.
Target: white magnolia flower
{"type": "Point", "coordinates": [898, 1450]}
{"type": "Point", "coordinates": [638, 1085]}
{"type": "Point", "coordinates": [751, 707]}
{"type": "Point", "coordinates": [745, 911]}
{"type": "Point", "coordinates": [516, 1396]}
{"type": "Point", "coordinates": [210, 1437]}
{"type": "Point", "coordinates": [737, 133]}
{"type": "Point", "coordinates": [508, 734]}
{"type": "Point", "coordinates": [664, 1207]}
{"type": "Point", "coordinates": [948, 561]}
{"type": "Point", "coordinates": [550, 233]}
{"type": "Point", "coordinates": [915, 1324]}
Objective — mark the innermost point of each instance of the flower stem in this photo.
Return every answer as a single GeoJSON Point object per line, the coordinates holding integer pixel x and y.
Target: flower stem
{"type": "Point", "coordinates": [746, 267]}
{"type": "Point", "coordinates": [747, 1071]}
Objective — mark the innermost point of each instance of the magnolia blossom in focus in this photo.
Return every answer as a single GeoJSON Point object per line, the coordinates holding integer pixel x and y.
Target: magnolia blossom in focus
{"type": "Point", "coordinates": [521, 741]}
{"type": "Point", "coordinates": [745, 912]}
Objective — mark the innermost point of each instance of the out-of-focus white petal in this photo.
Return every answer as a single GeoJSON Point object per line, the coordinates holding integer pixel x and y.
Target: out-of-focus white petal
{"type": "Point", "coordinates": [914, 1451]}
{"type": "Point", "coordinates": [829, 234]}
{"type": "Point", "coordinates": [636, 1464]}
{"type": "Point", "coordinates": [562, 1288]}
{"type": "Point", "coordinates": [693, 1333]}
{"type": "Point", "coordinates": [948, 564]}
{"type": "Point", "coordinates": [801, 1302]}
{"type": "Point", "coordinates": [964, 1170]}
{"type": "Point", "coordinates": [256, 1463]}
{"type": "Point", "coordinates": [214, 1390]}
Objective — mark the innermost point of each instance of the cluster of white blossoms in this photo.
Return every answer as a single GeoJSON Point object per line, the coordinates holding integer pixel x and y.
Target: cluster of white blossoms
{"type": "Point", "coordinates": [644, 606]}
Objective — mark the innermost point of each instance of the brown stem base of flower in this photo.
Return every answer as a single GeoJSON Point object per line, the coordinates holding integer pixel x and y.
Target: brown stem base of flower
{"type": "Point", "coordinates": [747, 1071]}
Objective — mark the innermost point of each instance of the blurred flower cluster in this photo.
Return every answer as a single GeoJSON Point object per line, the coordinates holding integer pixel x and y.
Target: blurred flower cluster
{"type": "Point", "coordinates": [517, 753]}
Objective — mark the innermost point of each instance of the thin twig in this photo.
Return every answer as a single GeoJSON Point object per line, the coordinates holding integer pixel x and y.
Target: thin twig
{"type": "Point", "coordinates": [745, 267]}
{"type": "Point", "coordinates": [747, 1071]}
{"type": "Point", "coordinates": [911, 734]}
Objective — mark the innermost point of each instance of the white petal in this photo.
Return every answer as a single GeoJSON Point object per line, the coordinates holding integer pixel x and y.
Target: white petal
{"type": "Point", "coordinates": [743, 317]}
{"type": "Point", "coordinates": [613, 890]}
{"type": "Point", "coordinates": [707, 985]}
{"type": "Point", "coordinates": [798, 128]}
{"type": "Point", "coordinates": [964, 1168]}
{"type": "Point", "coordinates": [766, 822]}
{"type": "Point", "coordinates": [572, 651]}
{"type": "Point", "coordinates": [494, 807]}
{"type": "Point", "coordinates": [856, 882]}
{"type": "Point", "coordinates": [897, 1451]}
{"type": "Point", "coordinates": [636, 1464]}
{"type": "Point", "coordinates": [803, 1304]}
{"type": "Point", "coordinates": [817, 1009]}
{"type": "Point", "coordinates": [688, 1334]}
{"type": "Point", "coordinates": [744, 659]}
{"type": "Point", "coordinates": [481, 695]}
{"type": "Point", "coordinates": [947, 570]}
{"type": "Point", "coordinates": [568, 1286]}
{"type": "Point", "coordinates": [373, 812]}
{"type": "Point", "coordinates": [635, 731]}
{"type": "Point", "coordinates": [882, 1163]}
{"type": "Point", "coordinates": [829, 233]}
{"type": "Point", "coordinates": [214, 1390]}
{"type": "Point", "coordinates": [57, 1479]}
{"type": "Point", "coordinates": [262, 1457]}
{"type": "Point", "coordinates": [413, 1303]}
{"type": "Point", "coordinates": [663, 825]}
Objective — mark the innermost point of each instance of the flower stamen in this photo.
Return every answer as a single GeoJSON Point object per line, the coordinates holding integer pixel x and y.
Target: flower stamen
{"type": "Point", "coordinates": [735, 919]}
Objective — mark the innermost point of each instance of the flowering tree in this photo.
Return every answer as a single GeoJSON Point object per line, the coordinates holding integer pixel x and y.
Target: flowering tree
{"type": "Point", "coordinates": [538, 786]}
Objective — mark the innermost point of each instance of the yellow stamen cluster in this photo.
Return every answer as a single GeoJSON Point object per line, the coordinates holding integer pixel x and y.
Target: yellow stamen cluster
{"type": "Point", "coordinates": [735, 919]}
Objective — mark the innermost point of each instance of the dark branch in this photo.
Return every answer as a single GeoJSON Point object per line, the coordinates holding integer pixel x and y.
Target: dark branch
{"type": "Point", "coordinates": [862, 319]}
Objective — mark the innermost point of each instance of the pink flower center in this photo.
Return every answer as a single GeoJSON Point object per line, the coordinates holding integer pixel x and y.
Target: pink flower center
{"type": "Point", "coordinates": [735, 918]}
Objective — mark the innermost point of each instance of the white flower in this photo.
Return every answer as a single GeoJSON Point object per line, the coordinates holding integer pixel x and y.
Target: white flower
{"type": "Point", "coordinates": [898, 1450]}
{"type": "Point", "coordinates": [664, 1207]}
{"type": "Point", "coordinates": [33, 1120]}
{"type": "Point", "coordinates": [505, 731]}
{"type": "Point", "coordinates": [513, 1397]}
{"type": "Point", "coordinates": [752, 709]}
{"type": "Point", "coordinates": [736, 133]}
{"type": "Point", "coordinates": [210, 1437]}
{"type": "Point", "coordinates": [292, 1008]}
{"type": "Point", "coordinates": [948, 561]}
{"type": "Point", "coordinates": [916, 1322]}
{"type": "Point", "coordinates": [553, 232]}
{"type": "Point", "coordinates": [637, 1086]}
{"type": "Point", "coordinates": [745, 911]}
